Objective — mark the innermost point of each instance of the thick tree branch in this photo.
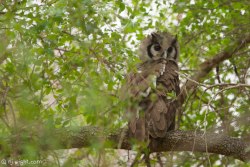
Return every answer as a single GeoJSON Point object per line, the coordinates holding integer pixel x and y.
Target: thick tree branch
{"type": "Point", "coordinates": [174, 141]}
{"type": "Point", "coordinates": [208, 65]}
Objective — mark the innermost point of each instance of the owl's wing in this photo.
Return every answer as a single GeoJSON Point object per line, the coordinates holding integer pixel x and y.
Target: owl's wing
{"type": "Point", "coordinates": [161, 114]}
{"type": "Point", "coordinates": [137, 84]}
{"type": "Point", "coordinates": [136, 90]}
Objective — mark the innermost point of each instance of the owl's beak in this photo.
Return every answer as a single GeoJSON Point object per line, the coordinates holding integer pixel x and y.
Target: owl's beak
{"type": "Point", "coordinates": [164, 54]}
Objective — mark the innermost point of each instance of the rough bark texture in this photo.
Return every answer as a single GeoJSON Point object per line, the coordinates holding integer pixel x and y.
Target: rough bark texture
{"type": "Point", "coordinates": [174, 141]}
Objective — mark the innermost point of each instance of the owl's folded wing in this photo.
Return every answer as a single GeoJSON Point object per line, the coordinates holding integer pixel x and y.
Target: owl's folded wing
{"type": "Point", "coordinates": [161, 114]}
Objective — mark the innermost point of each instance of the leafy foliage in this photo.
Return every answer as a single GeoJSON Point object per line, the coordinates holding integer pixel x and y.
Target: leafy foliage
{"type": "Point", "coordinates": [62, 64]}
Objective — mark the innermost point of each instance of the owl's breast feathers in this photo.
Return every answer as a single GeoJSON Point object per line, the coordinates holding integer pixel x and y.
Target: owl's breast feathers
{"type": "Point", "coordinates": [169, 82]}
{"type": "Point", "coordinates": [152, 115]}
{"type": "Point", "coordinates": [161, 116]}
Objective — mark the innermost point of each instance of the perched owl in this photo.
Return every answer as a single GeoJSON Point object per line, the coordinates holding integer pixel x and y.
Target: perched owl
{"type": "Point", "coordinates": [153, 88]}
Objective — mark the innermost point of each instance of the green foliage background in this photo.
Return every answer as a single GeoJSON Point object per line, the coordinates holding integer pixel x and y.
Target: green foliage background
{"type": "Point", "coordinates": [62, 64]}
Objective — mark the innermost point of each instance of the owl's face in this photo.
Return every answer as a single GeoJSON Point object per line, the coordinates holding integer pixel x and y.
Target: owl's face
{"type": "Point", "coordinates": [159, 45]}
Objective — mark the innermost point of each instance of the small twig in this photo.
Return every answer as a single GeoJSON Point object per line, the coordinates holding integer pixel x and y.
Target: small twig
{"type": "Point", "coordinates": [147, 159]}
{"type": "Point", "coordinates": [65, 50]}
{"type": "Point", "coordinates": [158, 156]}
{"type": "Point", "coordinates": [122, 138]}
{"type": "Point", "coordinates": [230, 85]}
{"type": "Point", "coordinates": [218, 73]}
{"type": "Point", "coordinates": [136, 160]}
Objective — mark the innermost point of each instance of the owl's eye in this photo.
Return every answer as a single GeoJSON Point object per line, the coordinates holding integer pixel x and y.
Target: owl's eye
{"type": "Point", "coordinates": [157, 47]}
{"type": "Point", "coordinates": [171, 52]}
{"type": "Point", "coordinates": [170, 49]}
{"type": "Point", "coordinates": [154, 50]}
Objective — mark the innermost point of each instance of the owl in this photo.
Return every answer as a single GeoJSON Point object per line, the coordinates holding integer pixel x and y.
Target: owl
{"type": "Point", "coordinates": [151, 91]}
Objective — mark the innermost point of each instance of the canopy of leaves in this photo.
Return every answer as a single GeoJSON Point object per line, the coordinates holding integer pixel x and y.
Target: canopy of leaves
{"type": "Point", "coordinates": [62, 63]}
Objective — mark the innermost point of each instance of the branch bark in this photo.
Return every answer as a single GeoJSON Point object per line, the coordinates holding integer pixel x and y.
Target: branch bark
{"type": "Point", "coordinates": [174, 141]}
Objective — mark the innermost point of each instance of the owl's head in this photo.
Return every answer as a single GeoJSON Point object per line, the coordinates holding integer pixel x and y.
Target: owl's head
{"type": "Point", "coordinates": [159, 45]}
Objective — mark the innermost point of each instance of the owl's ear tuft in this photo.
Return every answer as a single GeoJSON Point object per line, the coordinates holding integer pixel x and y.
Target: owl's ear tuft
{"type": "Point", "coordinates": [175, 40]}
{"type": "Point", "coordinates": [155, 37]}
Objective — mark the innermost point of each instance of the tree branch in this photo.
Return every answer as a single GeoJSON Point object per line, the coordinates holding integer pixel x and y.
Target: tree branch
{"type": "Point", "coordinates": [208, 65]}
{"type": "Point", "coordinates": [174, 141]}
